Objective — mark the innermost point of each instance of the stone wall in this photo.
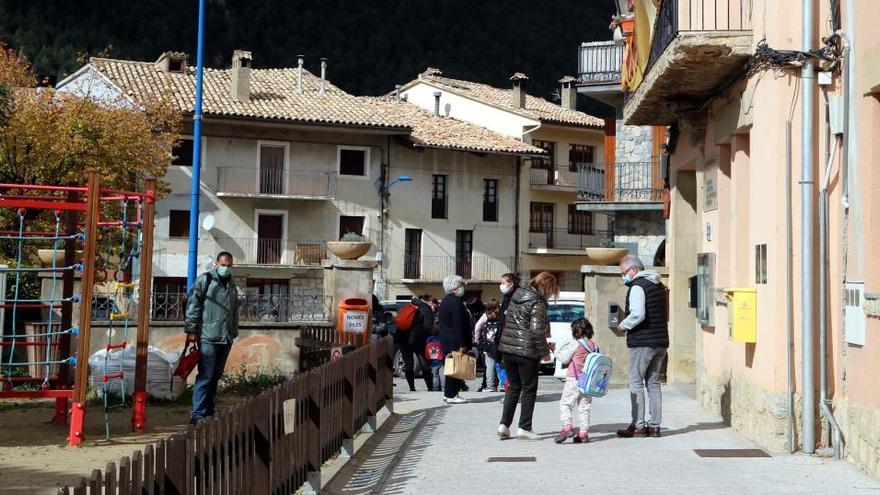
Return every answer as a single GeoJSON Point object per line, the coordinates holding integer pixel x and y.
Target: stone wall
{"type": "Point", "coordinates": [861, 431]}
{"type": "Point", "coordinates": [759, 415]}
{"type": "Point", "coordinates": [634, 143]}
{"type": "Point", "coordinates": [645, 228]}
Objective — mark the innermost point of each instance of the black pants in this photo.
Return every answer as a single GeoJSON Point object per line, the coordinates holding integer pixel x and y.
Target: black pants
{"type": "Point", "coordinates": [408, 351]}
{"type": "Point", "coordinates": [522, 377]}
{"type": "Point", "coordinates": [452, 387]}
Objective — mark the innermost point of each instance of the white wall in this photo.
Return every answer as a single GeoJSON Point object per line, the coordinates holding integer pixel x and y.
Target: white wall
{"type": "Point", "coordinates": [469, 110]}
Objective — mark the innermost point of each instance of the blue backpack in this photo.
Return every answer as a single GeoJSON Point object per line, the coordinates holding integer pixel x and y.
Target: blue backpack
{"type": "Point", "coordinates": [593, 381]}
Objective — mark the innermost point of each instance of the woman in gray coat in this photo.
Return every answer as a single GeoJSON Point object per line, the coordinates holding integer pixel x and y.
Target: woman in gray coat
{"type": "Point", "coordinates": [523, 345]}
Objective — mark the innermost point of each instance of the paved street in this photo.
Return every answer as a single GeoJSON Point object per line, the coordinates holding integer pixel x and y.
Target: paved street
{"type": "Point", "coordinates": [439, 449]}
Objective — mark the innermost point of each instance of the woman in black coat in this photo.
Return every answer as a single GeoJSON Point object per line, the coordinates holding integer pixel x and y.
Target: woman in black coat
{"type": "Point", "coordinates": [456, 332]}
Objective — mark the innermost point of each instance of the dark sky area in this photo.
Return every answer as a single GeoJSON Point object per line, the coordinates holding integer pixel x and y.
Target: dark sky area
{"type": "Point", "coordinates": [371, 44]}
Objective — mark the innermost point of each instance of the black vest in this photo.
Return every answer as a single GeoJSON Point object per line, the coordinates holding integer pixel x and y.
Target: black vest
{"type": "Point", "coordinates": [653, 331]}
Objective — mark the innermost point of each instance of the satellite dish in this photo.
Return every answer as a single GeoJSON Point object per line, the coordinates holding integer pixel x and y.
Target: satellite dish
{"type": "Point", "coordinates": [208, 222]}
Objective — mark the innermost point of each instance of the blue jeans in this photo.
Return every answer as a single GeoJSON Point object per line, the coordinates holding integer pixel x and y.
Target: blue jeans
{"type": "Point", "coordinates": [211, 367]}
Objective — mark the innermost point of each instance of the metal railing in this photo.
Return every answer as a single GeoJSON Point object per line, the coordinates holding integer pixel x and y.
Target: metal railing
{"type": "Point", "coordinates": [274, 252]}
{"type": "Point", "coordinates": [556, 175]}
{"type": "Point", "coordinates": [599, 63]}
{"type": "Point", "coordinates": [276, 183]}
{"type": "Point", "coordinates": [436, 268]}
{"type": "Point", "coordinates": [631, 182]}
{"type": "Point", "coordinates": [676, 16]}
{"type": "Point", "coordinates": [565, 239]}
{"type": "Point", "coordinates": [260, 445]}
{"type": "Point", "coordinates": [286, 308]}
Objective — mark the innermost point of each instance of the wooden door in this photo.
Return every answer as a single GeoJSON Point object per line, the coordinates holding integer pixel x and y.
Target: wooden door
{"type": "Point", "coordinates": [270, 233]}
{"type": "Point", "coordinates": [271, 169]}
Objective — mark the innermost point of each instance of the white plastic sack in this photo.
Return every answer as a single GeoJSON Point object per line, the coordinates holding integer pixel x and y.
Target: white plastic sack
{"type": "Point", "coordinates": [160, 366]}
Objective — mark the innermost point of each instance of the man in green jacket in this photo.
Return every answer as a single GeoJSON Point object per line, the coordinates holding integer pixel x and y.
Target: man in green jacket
{"type": "Point", "coordinates": [212, 324]}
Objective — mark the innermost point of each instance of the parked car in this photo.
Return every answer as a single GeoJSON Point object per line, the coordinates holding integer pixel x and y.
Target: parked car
{"type": "Point", "coordinates": [567, 308]}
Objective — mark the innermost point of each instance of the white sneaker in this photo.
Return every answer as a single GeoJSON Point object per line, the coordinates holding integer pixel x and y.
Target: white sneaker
{"type": "Point", "coordinates": [456, 400]}
{"type": "Point", "coordinates": [503, 432]}
{"type": "Point", "coordinates": [526, 435]}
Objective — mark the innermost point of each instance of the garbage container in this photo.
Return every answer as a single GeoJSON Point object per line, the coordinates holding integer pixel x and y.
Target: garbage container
{"type": "Point", "coordinates": [742, 314]}
{"type": "Point", "coordinates": [354, 322]}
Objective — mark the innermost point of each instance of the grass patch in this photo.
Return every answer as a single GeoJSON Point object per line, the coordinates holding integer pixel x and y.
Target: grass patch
{"type": "Point", "coordinates": [246, 383]}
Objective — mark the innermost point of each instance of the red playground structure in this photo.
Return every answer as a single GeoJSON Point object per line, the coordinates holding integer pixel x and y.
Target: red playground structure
{"type": "Point", "coordinates": [51, 360]}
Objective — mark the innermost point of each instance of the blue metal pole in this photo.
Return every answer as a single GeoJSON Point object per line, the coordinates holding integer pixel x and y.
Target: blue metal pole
{"type": "Point", "coordinates": [193, 254]}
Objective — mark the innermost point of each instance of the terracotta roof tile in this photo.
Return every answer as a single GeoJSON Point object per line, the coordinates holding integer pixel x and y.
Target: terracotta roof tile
{"type": "Point", "coordinates": [447, 132]}
{"type": "Point", "coordinates": [273, 94]}
{"type": "Point", "coordinates": [536, 108]}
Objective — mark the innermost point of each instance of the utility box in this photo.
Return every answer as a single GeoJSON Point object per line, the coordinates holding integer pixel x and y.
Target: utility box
{"type": "Point", "coordinates": [742, 314]}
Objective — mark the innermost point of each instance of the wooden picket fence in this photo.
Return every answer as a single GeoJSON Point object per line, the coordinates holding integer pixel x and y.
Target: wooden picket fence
{"type": "Point", "coordinates": [246, 450]}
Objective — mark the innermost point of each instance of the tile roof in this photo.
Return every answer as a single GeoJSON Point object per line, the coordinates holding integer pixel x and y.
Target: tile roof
{"type": "Point", "coordinates": [536, 108]}
{"type": "Point", "coordinates": [273, 94]}
{"type": "Point", "coordinates": [447, 132]}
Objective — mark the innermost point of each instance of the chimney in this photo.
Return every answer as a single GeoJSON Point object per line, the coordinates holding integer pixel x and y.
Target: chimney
{"type": "Point", "coordinates": [323, 75]}
{"type": "Point", "coordinates": [397, 92]}
{"type": "Point", "coordinates": [241, 76]}
{"type": "Point", "coordinates": [299, 74]}
{"type": "Point", "coordinates": [172, 62]}
{"type": "Point", "coordinates": [437, 95]}
{"type": "Point", "coordinates": [518, 96]}
{"type": "Point", "coordinates": [569, 93]}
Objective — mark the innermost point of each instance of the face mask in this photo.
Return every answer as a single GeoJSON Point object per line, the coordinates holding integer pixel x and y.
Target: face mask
{"type": "Point", "coordinates": [459, 291]}
{"type": "Point", "coordinates": [223, 271]}
{"type": "Point", "coordinates": [627, 279]}
{"type": "Point", "coordinates": [504, 288]}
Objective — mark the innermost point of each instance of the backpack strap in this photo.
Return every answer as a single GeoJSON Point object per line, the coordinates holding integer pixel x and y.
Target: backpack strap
{"type": "Point", "coordinates": [586, 346]}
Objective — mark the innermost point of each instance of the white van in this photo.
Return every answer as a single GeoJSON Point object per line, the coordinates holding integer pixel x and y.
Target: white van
{"type": "Point", "coordinates": [567, 308]}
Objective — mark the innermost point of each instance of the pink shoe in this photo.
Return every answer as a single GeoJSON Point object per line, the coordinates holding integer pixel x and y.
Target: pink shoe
{"type": "Point", "coordinates": [565, 434]}
{"type": "Point", "coordinates": [582, 437]}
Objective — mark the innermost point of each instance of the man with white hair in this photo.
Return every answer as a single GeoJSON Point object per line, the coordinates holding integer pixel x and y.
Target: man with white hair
{"type": "Point", "coordinates": [455, 331]}
{"type": "Point", "coordinates": [647, 337]}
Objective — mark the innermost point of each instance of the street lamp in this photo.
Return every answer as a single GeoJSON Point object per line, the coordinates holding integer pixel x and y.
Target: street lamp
{"type": "Point", "coordinates": [402, 178]}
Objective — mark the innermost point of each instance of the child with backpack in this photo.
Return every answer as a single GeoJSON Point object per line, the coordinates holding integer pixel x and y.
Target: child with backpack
{"type": "Point", "coordinates": [485, 332]}
{"type": "Point", "coordinates": [434, 355]}
{"type": "Point", "coordinates": [575, 354]}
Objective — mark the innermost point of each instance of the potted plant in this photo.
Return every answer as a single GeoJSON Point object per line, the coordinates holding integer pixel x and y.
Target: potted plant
{"type": "Point", "coordinates": [608, 254]}
{"type": "Point", "coordinates": [350, 247]}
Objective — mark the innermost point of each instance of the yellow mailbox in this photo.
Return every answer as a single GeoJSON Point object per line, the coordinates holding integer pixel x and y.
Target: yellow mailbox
{"type": "Point", "coordinates": [742, 314]}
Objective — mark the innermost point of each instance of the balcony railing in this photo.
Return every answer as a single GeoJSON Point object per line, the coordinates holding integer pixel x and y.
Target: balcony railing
{"type": "Point", "coordinates": [253, 182]}
{"type": "Point", "coordinates": [171, 306]}
{"type": "Point", "coordinates": [565, 239]}
{"type": "Point", "coordinates": [620, 182]}
{"type": "Point", "coordinates": [563, 176]}
{"type": "Point", "coordinates": [599, 63]}
{"type": "Point", "coordinates": [677, 16]}
{"type": "Point", "coordinates": [436, 268]}
{"type": "Point", "coordinates": [274, 252]}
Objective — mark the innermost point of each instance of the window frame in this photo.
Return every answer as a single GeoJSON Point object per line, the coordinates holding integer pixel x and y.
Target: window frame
{"type": "Point", "coordinates": [345, 147]}
{"type": "Point", "coordinates": [552, 216]}
{"type": "Point", "coordinates": [574, 213]}
{"type": "Point", "coordinates": [490, 213]}
{"type": "Point", "coordinates": [172, 223]}
{"type": "Point", "coordinates": [445, 198]}
{"type": "Point", "coordinates": [573, 148]}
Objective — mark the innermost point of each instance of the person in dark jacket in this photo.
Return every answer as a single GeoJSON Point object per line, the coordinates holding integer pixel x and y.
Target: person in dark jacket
{"type": "Point", "coordinates": [647, 337]}
{"type": "Point", "coordinates": [212, 324]}
{"type": "Point", "coordinates": [523, 346]}
{"type": "Point", "coordinates": [455, 331]}
{"type": "Point", "coordinates": [412, 344]}
{"type": "Point", "coordinates": [509, 283]}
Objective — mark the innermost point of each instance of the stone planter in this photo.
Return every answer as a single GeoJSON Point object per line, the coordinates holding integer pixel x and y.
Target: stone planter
{"type": "Point", "coordinates": [46, 256]}
{"type": "Point", "coordinates": [606, 256]}
{"type": "Point", "coordinates": [348, 250]}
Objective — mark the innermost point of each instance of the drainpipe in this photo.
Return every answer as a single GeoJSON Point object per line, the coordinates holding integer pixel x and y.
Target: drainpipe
{"type": "Point", "coordinates": [808, 257]}
{"type": "Point", "coordinates": [789, 290]}
{"type": "Point", "coordinates": [516, 215]}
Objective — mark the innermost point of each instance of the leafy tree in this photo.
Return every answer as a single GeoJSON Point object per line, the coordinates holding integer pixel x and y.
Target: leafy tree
{"type": "Point", "coordinates": [49, 138]}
